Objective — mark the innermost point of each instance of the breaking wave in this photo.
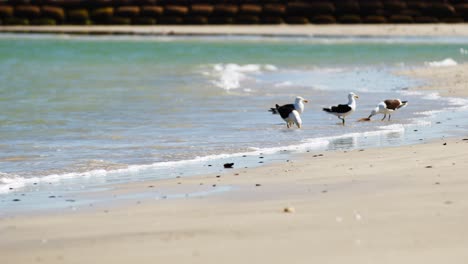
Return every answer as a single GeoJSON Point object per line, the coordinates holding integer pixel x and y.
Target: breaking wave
{"type": "Point", "coordinates": [229, 76]}
{"type": "Point", "coordinates": [443, 63]}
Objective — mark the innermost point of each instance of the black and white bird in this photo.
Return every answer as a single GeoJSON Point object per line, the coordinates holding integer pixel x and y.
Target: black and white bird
{"type": "Point", "coordinates": [343, 110]}
{"type": "Point", "coordinates": [388, 107]}
{"type": "Point", "coordinates": [291, 112]}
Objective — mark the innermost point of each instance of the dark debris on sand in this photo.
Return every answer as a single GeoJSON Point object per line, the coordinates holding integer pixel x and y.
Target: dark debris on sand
{"type": "Point", "coordinates": [228, 165]}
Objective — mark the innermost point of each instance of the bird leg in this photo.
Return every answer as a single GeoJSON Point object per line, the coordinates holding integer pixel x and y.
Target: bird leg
{"type": "Point", "coordinates": [342, 119]}
{"type": "Point", "coordinates": [389, 115]}
{"type": "Point", "coordinates": [385, 115]}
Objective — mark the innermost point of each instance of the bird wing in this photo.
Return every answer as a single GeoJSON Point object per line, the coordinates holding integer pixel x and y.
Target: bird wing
{"type": "Point", "coordinates": [392, 104]}
{"type": "Point", "coordinates": [342, 108]}
{"type": "Point", "coordinates": [285, 110]}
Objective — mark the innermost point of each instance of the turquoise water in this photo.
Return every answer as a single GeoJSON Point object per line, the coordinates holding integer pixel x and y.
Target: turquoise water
{"type": "Point", "coordinates": [109, 107]}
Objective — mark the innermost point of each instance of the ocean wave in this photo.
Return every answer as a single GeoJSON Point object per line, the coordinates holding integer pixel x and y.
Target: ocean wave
{"type": "Point", "coordinates": [456, 101]}
{"type": "Point", "coordinates": [284, 84]}
{"type": "Point", "coordinates": [410, 92]}
{"type": "Point", "coordinates": [429, 112]}
{"type": "Point", "coordinates": [443, 63]}
{"type": "Point", "coordinates": [431, 96]}
{"type": "Point", "coordinates": [9, 182]}
{"type": "Point", "coordinates": [229, 76]}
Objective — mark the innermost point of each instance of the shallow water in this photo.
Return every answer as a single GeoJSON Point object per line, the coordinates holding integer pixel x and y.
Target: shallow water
{"type": "Point", "coordinates": [87, 111]}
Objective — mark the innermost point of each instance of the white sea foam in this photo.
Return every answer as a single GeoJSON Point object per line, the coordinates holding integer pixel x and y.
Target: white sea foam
{"type": "Point", "coordinates": [463, 51]}
{"type": "Point", "coordinates": [283, 84]}
{"type": "Point", "coordinates": [393, 128]}
{"type": "Point", "coordinates": [411, 92]}
{"type": "Point", "coordinates": [229, 76]}
{"type": "Point", "coordinates": [431, 96]}
{"type": "Point", "coordinates": [443, 63]}
{"type": "Point", "coordinates": [428, 113]}
{"type": "Point", "coordinates": [455, 101]}
{"type": "Point", "coordinates": [9, 182]}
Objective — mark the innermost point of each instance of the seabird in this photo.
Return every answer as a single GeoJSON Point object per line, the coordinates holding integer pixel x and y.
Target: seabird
{"type": "Point", "coordinates": [298, 106]}
{"type": "Point", "coordinates": [388, 107]}
{"type": "Point", "coordinates": [291, 112]}
{"type": "Point", "coordinates": [343, 110]}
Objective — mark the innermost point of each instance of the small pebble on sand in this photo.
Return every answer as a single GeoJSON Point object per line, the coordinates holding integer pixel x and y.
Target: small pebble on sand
{"type": "Point", "coordinates": [289, 210]}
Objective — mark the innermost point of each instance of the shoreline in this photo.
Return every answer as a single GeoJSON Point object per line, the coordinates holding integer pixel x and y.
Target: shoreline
{"type": "Point", "coordinates": [398, 204]}
{"type": "Point", "coordinates": [449, 81]}
{"type": "Point", "coordinates": [361, 30]}
{"type": "Point", "coordinates": [404, 204]}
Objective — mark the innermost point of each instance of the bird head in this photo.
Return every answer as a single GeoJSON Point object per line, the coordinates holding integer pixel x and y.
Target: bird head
{"type": "Point", "coordinates": [301, 99]}
{"type": "Point", "coordinates": [374, 112]}
{"type": "Point", "coordinates": [352, 95]}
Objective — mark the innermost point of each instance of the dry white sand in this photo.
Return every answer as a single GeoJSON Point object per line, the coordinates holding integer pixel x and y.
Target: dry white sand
{"type": "Point", "coordinates": [268, 30]}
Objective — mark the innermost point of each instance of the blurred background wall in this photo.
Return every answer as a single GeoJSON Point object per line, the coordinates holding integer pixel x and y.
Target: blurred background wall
{"type": "Point", "coordinates": [199, 12]}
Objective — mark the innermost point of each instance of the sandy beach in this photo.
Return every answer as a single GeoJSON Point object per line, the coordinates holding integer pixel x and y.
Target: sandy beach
{"type": "Point", "coordinates": [392, 205]}
{"type": "Point", "coordinates": [405, 204]}
{"type": "Point", "coordinates": [448, 81]}
{"type": "Point", "coordinates": [410, 30]}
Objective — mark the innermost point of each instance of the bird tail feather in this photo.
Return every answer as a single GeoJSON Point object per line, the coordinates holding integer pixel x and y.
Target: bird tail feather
{"type": "Point", "coordinates": [326, 109]}
{"type": "Point", "coordinates": [274, 110]}
{"type": "Point", "coordinates": [403, 104]}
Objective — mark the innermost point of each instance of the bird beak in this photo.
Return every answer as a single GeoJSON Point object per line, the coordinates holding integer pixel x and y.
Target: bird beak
{"type": "Point", "coordinates": [306, 101]}
{"type": "Point", "coordinates": [356, 96]}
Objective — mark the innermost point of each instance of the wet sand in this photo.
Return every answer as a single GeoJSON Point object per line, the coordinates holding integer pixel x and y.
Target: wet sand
{"type": "Point", "coordinates": [448, 81]}
{"type": "Point", "coordinates": [390, 205]}
{"type": "Point", "coordinates": [405, 204]}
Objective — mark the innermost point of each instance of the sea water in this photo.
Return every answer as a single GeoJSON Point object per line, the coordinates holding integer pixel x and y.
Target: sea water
{"type": "Point", "coordinates": [80, 112]}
